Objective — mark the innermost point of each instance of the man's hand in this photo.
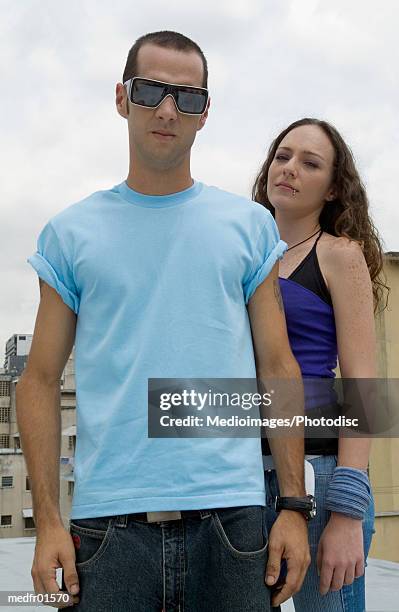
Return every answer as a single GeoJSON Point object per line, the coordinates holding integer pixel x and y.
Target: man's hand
{"type": "Point", "coordinates": [340, 555]}
{"type": "Point", "coordinates": [288, 540]}
{"type": "Point", "coordinates": [54, 549]}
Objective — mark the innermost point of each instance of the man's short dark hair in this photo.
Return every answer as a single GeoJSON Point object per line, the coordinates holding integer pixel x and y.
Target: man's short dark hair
{"type": "Point", "coordinates": [169, 40]}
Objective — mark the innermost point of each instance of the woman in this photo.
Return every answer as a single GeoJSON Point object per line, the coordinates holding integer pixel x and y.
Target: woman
{"type": "Point", "coordinates": [329, 279]}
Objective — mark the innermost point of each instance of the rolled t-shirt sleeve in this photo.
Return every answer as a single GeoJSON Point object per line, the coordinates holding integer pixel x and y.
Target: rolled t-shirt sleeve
{"type": "Point", "coordinates": [268, 249]}
{"type": "Point", "coordinates": [52, 265]}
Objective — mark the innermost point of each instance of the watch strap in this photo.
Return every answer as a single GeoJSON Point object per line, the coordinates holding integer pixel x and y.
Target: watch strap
{"type": "Point", "coordinates": [306, 505]}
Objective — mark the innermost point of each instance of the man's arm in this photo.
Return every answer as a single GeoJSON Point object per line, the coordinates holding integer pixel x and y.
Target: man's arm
{"type": "Point", "coordinates": [39, 423]}
{"type": "Point", "coordinates": [275, 363]}
{"type": "Point", "coordinates": [277, 367]}
{"type": "Point", "coordinates": [38, 403]}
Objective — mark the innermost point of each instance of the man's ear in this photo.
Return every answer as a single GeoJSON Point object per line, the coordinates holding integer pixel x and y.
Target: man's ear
{"type": "Point", "coordinates": [121, 101]}
{"type": "Point", "coordinates": [204, 116]}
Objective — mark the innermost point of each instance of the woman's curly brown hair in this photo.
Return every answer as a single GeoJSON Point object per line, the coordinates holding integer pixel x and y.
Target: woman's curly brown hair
{"type": "Point", "coordinates": [348, 214]}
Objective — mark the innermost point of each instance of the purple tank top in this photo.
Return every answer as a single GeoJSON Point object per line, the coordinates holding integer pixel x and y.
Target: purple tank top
{"type": "Point", "coordinates": [312, 334]}
{"type": "Point", "coordinates": [311, 328]}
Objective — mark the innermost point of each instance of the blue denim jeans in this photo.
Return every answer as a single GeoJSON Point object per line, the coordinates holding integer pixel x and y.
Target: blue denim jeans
{"type": "Point", "coordinates": [350, 598]}
{"type": "Point", "coordinates": [213, 563]}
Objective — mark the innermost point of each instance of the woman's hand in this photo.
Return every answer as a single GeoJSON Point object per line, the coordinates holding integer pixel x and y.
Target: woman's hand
{"type": "Point", "coordinates": [340, 556]}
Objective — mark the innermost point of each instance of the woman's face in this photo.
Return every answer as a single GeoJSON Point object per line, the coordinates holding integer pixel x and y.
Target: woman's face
{"type": "Point", "coordinates": [300, 175]}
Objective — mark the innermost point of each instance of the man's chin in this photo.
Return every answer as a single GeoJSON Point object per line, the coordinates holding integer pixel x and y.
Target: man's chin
{"type": "Point", "coordinates": [164, 162]}
{"type": "Point", "coordinates": [165, 156]}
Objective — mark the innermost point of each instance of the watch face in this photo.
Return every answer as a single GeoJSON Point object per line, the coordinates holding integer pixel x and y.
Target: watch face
{"type": "Point", "coordinates": [312, 511]}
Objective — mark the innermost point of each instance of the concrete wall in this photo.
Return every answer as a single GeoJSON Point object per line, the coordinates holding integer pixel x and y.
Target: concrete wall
{"type": "Point", "coordinates": [384, 461]}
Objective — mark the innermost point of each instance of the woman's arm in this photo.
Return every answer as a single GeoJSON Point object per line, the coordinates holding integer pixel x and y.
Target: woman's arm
{"type": "Point", "coordinates": [351, 293]}
{"type": "Point", "coordinates": [340, 555]}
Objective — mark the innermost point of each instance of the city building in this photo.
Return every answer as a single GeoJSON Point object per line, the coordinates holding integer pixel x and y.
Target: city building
{"type": "Point", "coordinates": [18, 346]}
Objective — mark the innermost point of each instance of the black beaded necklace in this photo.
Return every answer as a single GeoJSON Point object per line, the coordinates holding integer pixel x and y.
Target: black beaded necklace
{"type": "Point", "coordinates": [302, 241]}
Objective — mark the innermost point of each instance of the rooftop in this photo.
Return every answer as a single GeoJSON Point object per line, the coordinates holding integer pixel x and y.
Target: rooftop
{"type": "Point", "coordinates": [392, 255]}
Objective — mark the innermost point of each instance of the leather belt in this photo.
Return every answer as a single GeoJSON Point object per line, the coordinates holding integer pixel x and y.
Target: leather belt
{"type": "Point", "coordinates": [168, 515]}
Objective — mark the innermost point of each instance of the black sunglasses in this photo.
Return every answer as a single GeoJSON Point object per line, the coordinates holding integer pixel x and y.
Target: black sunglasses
{"type": "Point", "coordinates": [149, 93]}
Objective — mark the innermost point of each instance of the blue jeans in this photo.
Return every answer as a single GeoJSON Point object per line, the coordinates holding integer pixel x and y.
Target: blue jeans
{"type": "Point", "coordinates": [214, 562]}
{"type": "Point", "coordinates": [350, 598]}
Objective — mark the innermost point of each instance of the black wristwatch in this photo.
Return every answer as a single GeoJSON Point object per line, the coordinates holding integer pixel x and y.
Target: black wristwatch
{"type": "Point", "coordinates": [305, 505]}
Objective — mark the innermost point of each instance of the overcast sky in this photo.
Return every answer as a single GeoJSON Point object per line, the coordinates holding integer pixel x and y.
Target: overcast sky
{"type": "Point", "coordinates": [270, 62]}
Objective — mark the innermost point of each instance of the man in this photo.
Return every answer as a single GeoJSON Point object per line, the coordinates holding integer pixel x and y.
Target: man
{"type": "Point", "coordinates": [152, 279]}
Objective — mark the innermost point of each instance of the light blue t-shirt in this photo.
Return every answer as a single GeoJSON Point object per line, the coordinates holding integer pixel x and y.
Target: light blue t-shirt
{"type": "Point", "coordinates": [160, 286]}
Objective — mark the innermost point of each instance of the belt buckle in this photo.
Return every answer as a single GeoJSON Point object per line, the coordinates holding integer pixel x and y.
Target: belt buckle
{"type": "Point", "coordinates": [169, 515]}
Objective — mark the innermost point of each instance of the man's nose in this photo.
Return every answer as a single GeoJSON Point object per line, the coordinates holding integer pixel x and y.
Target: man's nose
{"type": "Point", "coordinates": [167, 110]}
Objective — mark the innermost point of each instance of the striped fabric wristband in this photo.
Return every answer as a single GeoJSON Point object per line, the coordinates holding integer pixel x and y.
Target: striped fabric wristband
{"type": "Point", "coordinates": [349, 492]}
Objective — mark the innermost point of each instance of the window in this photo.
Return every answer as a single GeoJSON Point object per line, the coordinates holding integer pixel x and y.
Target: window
{"type": "Point", "coordinates": [4, 388]}
{"type": "Point", "coordinates": [4, 414]}
{"type": "Point", "coordinates": [7, 481]}
{"type": "Point", "coordinates": [70, 488]}
{"type": "Point", "coordinates": [30, 523]}
{"type": "Point", "coordinates": [22, 337]}
{"type": "Point", "coordinates": [27, 484]}
{"type": "Point", "coordinates": [70, 442]}
{"type": "Point", "coordinates": [5, 520]}
{"type": "Point", "coordinates": [4, 441]}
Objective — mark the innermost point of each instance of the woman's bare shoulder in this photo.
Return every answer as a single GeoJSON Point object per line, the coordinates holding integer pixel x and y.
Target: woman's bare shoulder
{"type": "Point", "coordinates": [339, 251]}
{"type": "Point", "coordinates": [340, 260]}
